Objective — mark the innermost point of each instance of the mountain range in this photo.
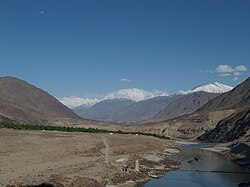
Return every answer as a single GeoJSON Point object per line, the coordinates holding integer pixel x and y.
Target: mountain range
{"type": "Point", "coordinates": [143, 109]}
{"type": "Point", "coordinates": [223, 118]}
{"type": "Point", "coordinates": [103, 110]}
{"type": "Point", "coordinates": [137, 94]}
{"type": "Point", "coordinates": [207, 116]}
{"type": "Point", "coordinates": [134, 94]}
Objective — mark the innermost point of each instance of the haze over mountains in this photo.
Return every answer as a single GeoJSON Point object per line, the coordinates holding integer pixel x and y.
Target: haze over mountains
{"type": "Point", "coordinates": [145, 109]}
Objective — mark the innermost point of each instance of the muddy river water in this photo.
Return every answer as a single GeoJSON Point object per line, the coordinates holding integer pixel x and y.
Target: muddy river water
{"type": "Point", "coordinates": [196, 173]}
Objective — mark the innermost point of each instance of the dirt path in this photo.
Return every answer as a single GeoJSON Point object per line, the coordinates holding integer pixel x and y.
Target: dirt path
{"type": "Point", "coordinates": [106, 149]}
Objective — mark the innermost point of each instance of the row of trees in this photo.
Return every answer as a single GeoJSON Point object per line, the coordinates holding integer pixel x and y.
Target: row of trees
{"type": "Point", "coordinates": [71, 129]}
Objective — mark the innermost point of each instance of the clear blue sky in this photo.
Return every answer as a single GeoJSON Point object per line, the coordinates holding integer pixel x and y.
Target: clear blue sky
{"type": "Point", "coordinates": [73, 47]}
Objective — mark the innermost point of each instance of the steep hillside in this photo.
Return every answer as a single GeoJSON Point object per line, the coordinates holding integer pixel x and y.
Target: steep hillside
{"type": "Point", "coordinates": [236, 125]}
{"type": "Point", "coordinates": [232, 120]}
{"type": "Point", "coordinates": [237, 98]}
{"type": "Point", "coordinates": [231, 128]}
{"type": "Point", "coordinates": [226, 115]}
{"type": "Point", "coordinates": [184, 105]}
{"type": "Point", "coordinates": [24, 103]}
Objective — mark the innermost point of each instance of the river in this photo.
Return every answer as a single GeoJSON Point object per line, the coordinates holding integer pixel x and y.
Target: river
{"type": "Point", "coordinates": [210, 161]}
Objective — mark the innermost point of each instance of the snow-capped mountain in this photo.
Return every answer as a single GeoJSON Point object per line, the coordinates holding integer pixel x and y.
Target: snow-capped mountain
{"type": "Point", "coordinates": [134, 94]}
{"type": "Point", "coordinates": [209, 88]}
{"type": "Point", "coordinates": [73, 101]}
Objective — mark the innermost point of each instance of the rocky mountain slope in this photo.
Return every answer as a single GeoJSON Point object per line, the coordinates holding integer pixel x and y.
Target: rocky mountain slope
{"type": "Point", "coordinates": [125, 110]}
{"type": "Point", "coordinates": [103, 110]}
{"type": "Point", "coordinates": [236, 125]}
{"type": "Point", "coordinates": [237, 98]}
{"type": "Point", "coordinates": [184, 105]}
{"type": "Point", "coordinates": [22, 102]}
{"type": "Point", "coordinates": [229, 129]}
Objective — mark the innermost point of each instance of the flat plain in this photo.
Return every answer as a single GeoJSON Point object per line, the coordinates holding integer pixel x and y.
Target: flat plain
{"type": "Point", "coordinates": [71, 159]}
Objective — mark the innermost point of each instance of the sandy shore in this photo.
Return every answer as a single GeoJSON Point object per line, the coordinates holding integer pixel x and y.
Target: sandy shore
{"type": "Point", "coordinates": [72, 159]}
{"type": "Point", "coordinates": [186, 142]}
{"type": "Point", "coordinates": [216, 148]}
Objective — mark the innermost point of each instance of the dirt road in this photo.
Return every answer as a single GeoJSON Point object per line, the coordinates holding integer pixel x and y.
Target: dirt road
{"type": "Point", "coordinates": [106, 150]}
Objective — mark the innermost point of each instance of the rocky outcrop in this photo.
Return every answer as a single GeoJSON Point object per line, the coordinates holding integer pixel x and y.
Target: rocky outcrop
{"type": "Point", "coordinates": [229, 129]}
{"type": "Point", "coordinates": [240, 153]}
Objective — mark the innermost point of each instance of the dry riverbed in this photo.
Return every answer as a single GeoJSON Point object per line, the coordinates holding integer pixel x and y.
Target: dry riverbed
{"type": "Point", "coordinates": [80, 159]}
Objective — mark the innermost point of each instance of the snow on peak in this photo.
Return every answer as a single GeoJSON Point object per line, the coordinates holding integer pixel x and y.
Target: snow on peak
{"type": "Point", "coordinates": [210, 88]}
{"type": "Point", "coordinates": [73, 101]}
{"type": "Point", "coordinates": [135, 94]}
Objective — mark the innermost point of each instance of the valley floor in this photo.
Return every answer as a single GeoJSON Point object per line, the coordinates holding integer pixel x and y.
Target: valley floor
{"type": "Point", "coordinates": [72, 159]}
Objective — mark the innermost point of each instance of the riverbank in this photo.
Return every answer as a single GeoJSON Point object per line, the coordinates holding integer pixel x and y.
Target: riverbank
{"type": "Point", "coordinates": [202, 168]}
{"type": "Point", "coordinates": [238, 152]}
{"type": "Point", "coordinates": [79, 159]}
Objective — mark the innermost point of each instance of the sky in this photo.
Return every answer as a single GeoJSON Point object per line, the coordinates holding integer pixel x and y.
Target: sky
{"type": "Point", "coordinates": [88, 48]}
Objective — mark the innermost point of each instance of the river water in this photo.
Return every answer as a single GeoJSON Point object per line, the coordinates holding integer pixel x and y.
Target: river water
{"type": "Point", "coordinates": [210, 161]}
